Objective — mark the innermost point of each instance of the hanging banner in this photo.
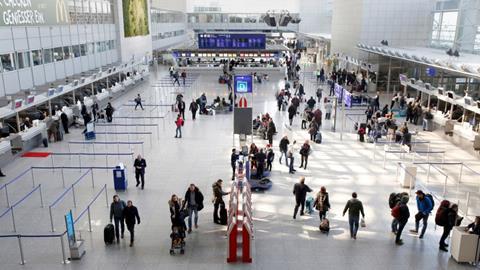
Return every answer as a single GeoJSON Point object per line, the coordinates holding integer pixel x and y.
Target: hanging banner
{"type": "Point", "coordinates": [33, 12]}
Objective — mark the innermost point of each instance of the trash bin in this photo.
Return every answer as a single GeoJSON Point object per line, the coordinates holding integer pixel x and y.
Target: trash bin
{"type": "Point", "coordinates": [407, 176]}
{"type": "Point", "coordinates": [120, 177]}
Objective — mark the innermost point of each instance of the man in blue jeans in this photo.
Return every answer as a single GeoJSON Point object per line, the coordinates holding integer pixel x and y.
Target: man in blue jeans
{"type": "Point", "coordinates": [116, 213]}
{"type": "Point", "coordinates": [425, 207]}
{"type": "Point", "coordinates": [194, 203]}
{"type": "Point", "coordinates": [355, 208]}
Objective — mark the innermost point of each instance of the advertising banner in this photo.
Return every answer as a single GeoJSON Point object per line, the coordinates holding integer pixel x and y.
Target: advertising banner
{"type": "Point", "coordinates": [33, 12]}
{"type": "Point", "coordinates": [135, 18]}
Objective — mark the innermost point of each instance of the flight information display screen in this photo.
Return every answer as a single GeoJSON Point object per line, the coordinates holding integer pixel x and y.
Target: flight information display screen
{"type": "Point", "coordinates": [231, 41]}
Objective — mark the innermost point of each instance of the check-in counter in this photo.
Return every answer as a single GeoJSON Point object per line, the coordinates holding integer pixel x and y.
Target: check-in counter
{"type": "Point", "coordinates": [439, 119]}
{"type": "Point", "coordinates": [464, 246]}
{"type": "Point", "coordinates": [117, 88]}
{"type": "Point", "coordinates": [5, 152]}
{"type": "Point", "coordinates": [128, 81]}
{"type": "Point", "coordinates": [465, 131]}
{"type": "Point", "coordinates": [33, 137]}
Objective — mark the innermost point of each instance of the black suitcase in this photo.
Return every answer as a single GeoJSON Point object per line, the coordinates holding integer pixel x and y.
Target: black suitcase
{"type": "Point", "coordinates": [109, 234]}
{"type": "Point", "coordinates": [223, 215]}
{"type": "Point", "coordinates": [318, 137]}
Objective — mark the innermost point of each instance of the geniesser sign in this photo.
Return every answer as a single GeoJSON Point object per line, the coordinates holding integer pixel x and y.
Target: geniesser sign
{"type": "Point", "coordinates": [33, 12]}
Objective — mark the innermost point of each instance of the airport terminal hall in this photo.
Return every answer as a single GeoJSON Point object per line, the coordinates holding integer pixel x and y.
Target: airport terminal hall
{"type": "Point", "coordinates": [220, 134]}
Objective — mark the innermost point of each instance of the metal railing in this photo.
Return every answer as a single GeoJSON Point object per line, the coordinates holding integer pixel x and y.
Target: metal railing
{"type": "Point", "coordinates": [12, 207]}
{"type": "Point", "coordinates": [88, 154]}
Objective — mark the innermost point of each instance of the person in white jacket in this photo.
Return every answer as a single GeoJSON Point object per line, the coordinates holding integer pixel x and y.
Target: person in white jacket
{"type": "Point", "coordinates": [291, 152]}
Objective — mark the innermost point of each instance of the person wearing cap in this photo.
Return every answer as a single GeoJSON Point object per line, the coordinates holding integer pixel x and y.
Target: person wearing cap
{"type": "Point", "coordinates": [404, 215]}
{"type": "Point", "coordinates": [218, 194]}
{"type": "Point", "coordinates": [424, 206]}
{"type": "Point", "coordinates": [355, 208]}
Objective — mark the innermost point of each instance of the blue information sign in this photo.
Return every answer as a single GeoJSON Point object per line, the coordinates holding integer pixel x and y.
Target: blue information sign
{"type": "Point", "coordinates": [431, 71]}
{"type": "Point", "coordinates": [243, 84]}
{"type": "Point", "coordinates": [70, 228]}
{"type": "Point", "coordinates": [231, 41]}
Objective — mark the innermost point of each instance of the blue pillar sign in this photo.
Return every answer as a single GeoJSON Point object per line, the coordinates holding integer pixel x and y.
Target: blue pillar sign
{"type": "Point", "coordinates": [243, 84]}
{"type": "Point", "coordinates": [70, 228]}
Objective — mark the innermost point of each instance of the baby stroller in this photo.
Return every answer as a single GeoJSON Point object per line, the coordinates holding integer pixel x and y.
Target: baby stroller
{"type": "Point", "coordinates": [178, 239]}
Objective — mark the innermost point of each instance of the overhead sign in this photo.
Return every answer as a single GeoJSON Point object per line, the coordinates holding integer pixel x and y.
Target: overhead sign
{"type": "Point", "coordinates": [70, 228]}
{"type": "Point", "coordinates": [231, 41]}
{"type": "Point", "coordinates": [431, 71]}
{"type": "Point", "coordinates": [243, 84]}
{"type": "Point", "coordinates": [33, 12]}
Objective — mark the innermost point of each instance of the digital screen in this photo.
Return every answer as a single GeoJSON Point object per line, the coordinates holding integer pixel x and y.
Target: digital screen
{"type": "Point", "coordinates": [51, 92]}
{"type": "Point", "coordinates": [431, 71]}
{"type": "Point", "coordinates": [30, 99]}
{"type": "Point", "coordinates": [231, 41]}
{"type": "Point", "coordinates": [18, 103]}
{"type": "Point", "coordinates": [70, 228]}
{"type": "Point", "coordinates": [243, 84]}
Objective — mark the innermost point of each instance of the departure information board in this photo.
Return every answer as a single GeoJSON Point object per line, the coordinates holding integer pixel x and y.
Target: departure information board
{"type": "Point", "coordinates": [231, 41]}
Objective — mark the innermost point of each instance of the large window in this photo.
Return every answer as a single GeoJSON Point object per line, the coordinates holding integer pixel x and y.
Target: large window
{"type": "Point", "coordinates": [47, 56]}
{"type": "Point", "coordinates": [444, 28]}
{"type": "Point", "coordinates": [37, 57]}
{"type": "Point", "coordinates": [23, 60]}
{"type": "Point", "coordinates": [7, 63]}
{"type": "Point", "coordinates": [57, 54]}
{"type": "Point", "coordinates": [76, 50]}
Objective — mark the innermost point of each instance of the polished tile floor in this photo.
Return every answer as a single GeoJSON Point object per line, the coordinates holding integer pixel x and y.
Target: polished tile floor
{"type": "Point", "coordinates": [201, 157]}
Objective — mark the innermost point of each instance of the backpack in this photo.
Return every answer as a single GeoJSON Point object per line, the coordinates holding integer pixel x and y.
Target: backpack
{"type": "Point", "coordinates": [396, 211]}
{"type": "Point", "coordinates": [392, 200]}
{"type": "Point", "coordinates": [430, 197]}
{"type": "Point", "coordinates": [441, 217]}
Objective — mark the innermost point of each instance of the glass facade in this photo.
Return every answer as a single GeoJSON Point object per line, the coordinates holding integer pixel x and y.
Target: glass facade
{"type": "Point", "coordinates": [91, 11]}
{"type": "Point", "coordinates": [444, 28]}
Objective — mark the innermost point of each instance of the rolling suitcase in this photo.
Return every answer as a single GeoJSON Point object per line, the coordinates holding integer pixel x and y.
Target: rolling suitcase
{"type": "Point", "coordinates": [318, 137]}
{"type": "Point", "coordinates": [309, 204]}
{"type": "Point", "coordinates": [108, 234]}
{"type": "Point", "coordinates": [223, 215]}
{"type": "Point", "coordinates": [324, 226]}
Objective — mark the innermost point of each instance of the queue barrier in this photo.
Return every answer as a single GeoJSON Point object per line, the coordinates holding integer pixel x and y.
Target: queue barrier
{"type": "Point", "coordinates": [59, 235]}
{"type": "Point", "coordinates": [404, 150]}
{"type": "Point", "coordinates": [65, 192]}
{"type": "Point", "coordinates": [136, 133]}
{"type": "Point", "coordinates": [131, 125]}
{"type": "Point", "coordinates": [87, 154]}
{"type": "Point", "coordinates": [389, 142]}
{"type": "Point", "coordinates": [118, 143]}
{"type": "Point", "coordinates": [11, 208]}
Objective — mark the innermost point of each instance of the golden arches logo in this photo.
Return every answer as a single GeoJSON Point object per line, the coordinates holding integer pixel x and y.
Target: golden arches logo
{"type": "Point", "coordinates": [61, 11]}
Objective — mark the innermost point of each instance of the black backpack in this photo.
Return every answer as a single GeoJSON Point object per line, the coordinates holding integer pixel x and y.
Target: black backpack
{"type": "Point", "coordinates": [392, 200]}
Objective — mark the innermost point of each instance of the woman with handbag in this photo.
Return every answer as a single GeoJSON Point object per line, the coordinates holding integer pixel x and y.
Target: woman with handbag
{"type": "Point", "coordinates": [322, 203]}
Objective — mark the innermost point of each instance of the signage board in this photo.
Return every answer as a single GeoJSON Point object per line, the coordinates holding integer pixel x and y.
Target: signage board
{"type": "Point", "coordinates": [431, 71]}
{"type": "Point", "coordinates": [403, 79]}
{"type": "Point", "coordinates": [33, 12]}
{"type": "Point", "coordinates": [232, 41]}
{"type": "Point", "coordinates": [243, 84]}
{"type": "Point", "coordinates": [69, 223]}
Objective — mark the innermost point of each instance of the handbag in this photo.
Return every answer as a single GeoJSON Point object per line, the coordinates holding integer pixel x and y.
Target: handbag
{"type": "Point", "coordinates": [362, 223]}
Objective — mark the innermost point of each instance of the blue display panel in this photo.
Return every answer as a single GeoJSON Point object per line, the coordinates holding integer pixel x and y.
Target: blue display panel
{"type": "Point", "coordinates": [243, 84]}
{"type": "Point", "coordinates": [231, 41]}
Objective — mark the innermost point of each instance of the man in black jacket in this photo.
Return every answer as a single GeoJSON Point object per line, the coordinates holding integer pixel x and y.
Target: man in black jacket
{"type": "Point", "coordinates": [300, 191]}
{"type": "Point", "coordinates": [130, 214]}
{"type": "Point", "coordinates": [193, 108]}
{"type": "Point", "coordinates": [260, 158]}
{"type": "Point", "coordinates": [404, 215]}
{"type": "Point", "coordinates": [451, 218]}
{"type": "Point", "coordinates": [116, 214]}
{"type": "Point", "coordinates": [181, 108]}
{"type": "Point", "coordinates": [233, 162]}
{"type": "Point", "coordinates": [218, 202]}
{"type": "Point", "coordinates": [140, 164]}
{"type": "Point", "coordinates": [284, 142]}
{"type": "Point", "coordinates": [194, 203]}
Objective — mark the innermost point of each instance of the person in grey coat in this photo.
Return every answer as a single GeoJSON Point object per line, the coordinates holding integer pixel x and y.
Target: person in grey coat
{"type": "Point", "coordinates": [355, 208]}
{"type": "Point", "coordinates": [116, 214]}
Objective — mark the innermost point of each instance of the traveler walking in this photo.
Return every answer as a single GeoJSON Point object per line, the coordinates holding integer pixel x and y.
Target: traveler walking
{"type": "Point", "coordinates": [193, 203]}
{"type": "Point", "coordinates": [140, 164]}
{"type": "Point", "coordinates": [304, 153]}
{"type": "Point", "coordinates": [193, 108]}
{"type": "Point", "coordinates": [270, 158]}
{"type": "Point", "coordinates": [322, 203]}
{"type": "Point", "coordinates": [292, 111]}
{"type": "Point", "coordinates": [138, 102]}
{"type": "Point", "coordinates": [176, 216]}
{"type": "Point", "coordinates": [178, 123]}
{"type": "Point", "coordinates": [184, 76]}
{"type": "Point", "coordinates": [425, 206]}
{"type": "Point", "coordinates": [218, 202]}
{"type": "Point", "coordinates": [109, 112]}
{"type": "Point", "coordinates": [116, 214]}
{"type": "Point", "coordinates": [328, 110]}
{"type": "Point", "coordinates": [284, 142]}
{"type": "Point", "coordinates": [181, 107]}
{"type": "Point", "coordinates": [175, 78]}
{"type": "Point", "coordinates": [311, 103]}
{"type": "Point", "coordinates": [271, 130]}
{"type": "Point", "coordinates": [319, 94]}
{"type": "Point", "coordinates": [450, 216]}
{"type": "Point", "coordinates": [300, 190]}
{"type": "Point", "coordinates": [131, 216]}
{"type": "Point", "coordinates": [291, 152]}
{"type": "Point", "coordinates": [203, 103]}
{"type": "Point", "coordinates": [401, 214]}
{"type": "Point", "coordinates": [355, 208]}
{"type": "Point", "coordinates": [233, 162]}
